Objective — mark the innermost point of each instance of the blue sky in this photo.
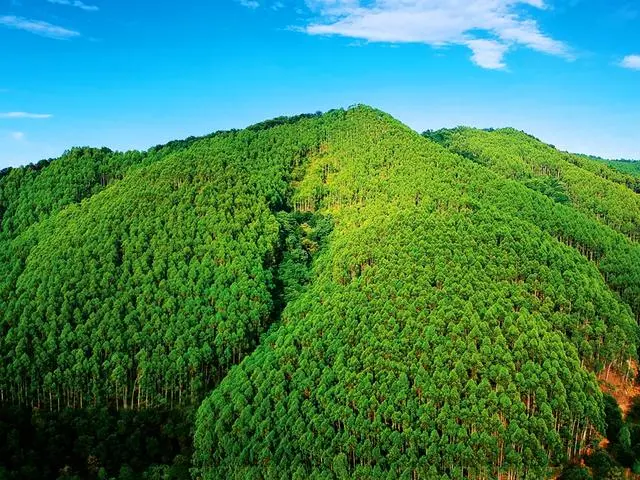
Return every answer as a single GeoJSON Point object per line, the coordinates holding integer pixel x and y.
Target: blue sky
{"type": "Point", "coordinates": [132, 74]}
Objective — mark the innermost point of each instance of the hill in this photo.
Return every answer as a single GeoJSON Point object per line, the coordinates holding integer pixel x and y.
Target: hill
{"type": "Point", "coordinates": [588, 185]}
{"type": "Point", "coordinates": [337, 295]}
{"type": "Point", "coordinates": [631, 167]}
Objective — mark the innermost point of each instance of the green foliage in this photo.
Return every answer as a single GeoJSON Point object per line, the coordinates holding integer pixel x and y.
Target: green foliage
{"type": "Point", "coordinates": [613, 418]}
{"type": "Point", "coordinates": [442, 336]}
{"type": "Point", "coordinates": [633, 415]}
{"type": "Point", "coordinates": [302, 236]}
{"type": "Point", "coordinates": [623, 433]}
{"type": "Point", "coordinates": [351, 300]}
{"type": "Point", "coordinates": [631, 167]}
{"type": "Point", "coordinates": [150, 290]}
{"type": "Point", "coordinates": [593, 188]}
{"type": "Point", "coordinates": [601, 203]}
{"type": "Point", "coordinates": [550, 187]}
{"type": "Point", "coordinates": [609, 169]}
{"type": "Point", "coordinates": [30, 194]}
{"type": "Point", "coordinates": [94, 443]}
{"type": "Point", "coordinates": [276, 122]}
{"type": "Point", "coordinates": [575, 472]}
{"type": "Point", "coordinates": [601, 464]}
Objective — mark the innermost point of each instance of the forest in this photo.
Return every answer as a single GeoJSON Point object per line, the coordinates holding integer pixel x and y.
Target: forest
{"type": "Point", "coordinates": [326, 296]}
{"type": "Point", "coordinates": [627, 166]}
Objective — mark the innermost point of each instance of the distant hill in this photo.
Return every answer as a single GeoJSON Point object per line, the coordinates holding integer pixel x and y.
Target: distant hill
{"type": "Point", "coordinates": [626, 166]}
{"type": "Point", "coordinates": [582, 181]}
{"type": "Point", "coordinates": [322, 296]}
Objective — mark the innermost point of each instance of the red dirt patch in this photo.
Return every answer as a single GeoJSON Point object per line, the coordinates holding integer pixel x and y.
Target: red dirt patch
{"type": "Point", "coordinates": [622, 388]}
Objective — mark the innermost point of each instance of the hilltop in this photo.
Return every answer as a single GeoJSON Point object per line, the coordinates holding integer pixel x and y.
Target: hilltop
{"type": "Point", "coordinates": [323, 296]}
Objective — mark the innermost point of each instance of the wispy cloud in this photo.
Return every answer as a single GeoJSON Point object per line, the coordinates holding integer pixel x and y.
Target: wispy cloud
{"type": "Point", "coordinates": [17, 136]}
{"type": "Point", "coordinates": [490, 28]}
{"type": "Point", "coordinates": [77, 4]}
{"type": "Point", "coordinates": [25, 115]}
{"type": "Point", "coordinates": [38, 27]}
{"type": "Point", "coordinates": [277, 6]}
{"type": "Point", "coordinates": [631, 61]}
{"type": "Point", "coordinates": [249, 3]}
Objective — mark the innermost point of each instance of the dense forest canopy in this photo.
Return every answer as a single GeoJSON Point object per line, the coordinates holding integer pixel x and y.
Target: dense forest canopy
{"type": "Point", "coordinates": [321, 296]}
{"type": "Point", "coordinates": [627, 166]}
{"type": "Point", "coordinates": [591, 186]}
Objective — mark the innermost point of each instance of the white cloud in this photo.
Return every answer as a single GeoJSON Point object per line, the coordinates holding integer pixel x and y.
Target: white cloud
{"type": "Point", "coordinates": [488, 53]}
{"type": "Point", "coordinates": [25, 115]}
{"type": "Point", "coordinates": [17, 136]}
{"type": "Point", "coordinates": [631, 61]}
{"type": "Point", "coordinates": [488, 27]}
{"type": "Point", "coordinates": [277, 6]}
{"type": "Point", "coordinates": [76, 3]}
{"type": "Point", "coordinates": [249, 3]}
{"type": "Point", "coordinates": [38, 27]}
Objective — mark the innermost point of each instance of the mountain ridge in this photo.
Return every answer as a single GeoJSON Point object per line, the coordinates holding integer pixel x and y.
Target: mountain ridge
{"type": "Point", "coordinates": [338, 294]}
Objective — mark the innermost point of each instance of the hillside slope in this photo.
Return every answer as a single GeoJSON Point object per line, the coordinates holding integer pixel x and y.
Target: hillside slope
{"type": "Point", "coordinates": [584, 196]}
{"type": "Point", "coordinates": [588, 185]}
{"type": "Point", "coordinates": [339, 295]}
{"type": "Point", "coordinates": [440, 336]}
{"type": "Point", "coordinates": [148, 291]}
{"type": "Point", "coordinates": [631, 167]}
